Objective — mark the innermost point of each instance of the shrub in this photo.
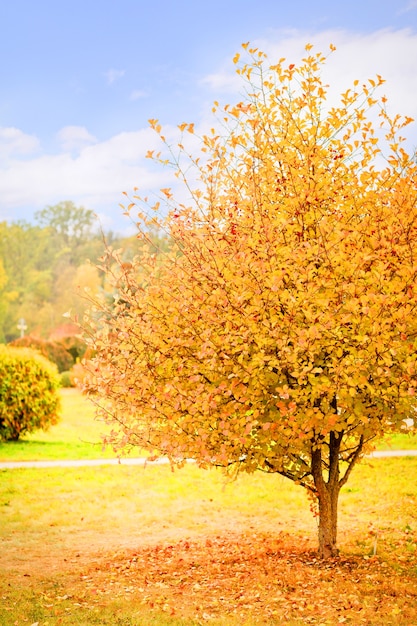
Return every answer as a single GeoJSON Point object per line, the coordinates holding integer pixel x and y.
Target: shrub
{"type": "Point", "coordinates": [29, 397]}
{"type": "Point", "coordinates": [66, 379]}
{"type": "Point", "coordinates": [52, 350]}
{"type": "Point", "coordinates": [78, 374]}
{"type": "Point", "coordinates": [73, 344]}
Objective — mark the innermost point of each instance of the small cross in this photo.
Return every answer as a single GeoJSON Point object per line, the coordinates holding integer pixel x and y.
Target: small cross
{"type": "Point", "coordinates": [22, 326]}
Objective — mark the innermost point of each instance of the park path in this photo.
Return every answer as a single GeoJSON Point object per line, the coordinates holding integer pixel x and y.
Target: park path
{"type": "Point", "coordinates": [81, 463]}
{"type": "Point", "coordinates": [144, 461]}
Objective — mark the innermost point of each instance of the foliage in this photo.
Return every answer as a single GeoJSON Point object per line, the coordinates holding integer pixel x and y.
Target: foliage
{"type": "Point", "coordinates": [28, 393]}
{"type": "Point", "coordinates": [52, 350]}
{"type": "Point", "coordinates": [75, 345]}
{"type": "Point", "coordinates": [40, 274]}
{"type": "Point", "coordinates": [66, 379]}
{"type": "Point", "coordinates": [78, 373]}
{"type": "Point", "coordinates": [75, 376]}
{"type": "Point", "coordinates": [279, 333]}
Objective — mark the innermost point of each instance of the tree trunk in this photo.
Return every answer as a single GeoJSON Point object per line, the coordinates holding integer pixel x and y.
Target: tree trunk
{"type": "Point", "coordinates": [328, 501]}
{"type": "Point", "coordinates": [328, 494]}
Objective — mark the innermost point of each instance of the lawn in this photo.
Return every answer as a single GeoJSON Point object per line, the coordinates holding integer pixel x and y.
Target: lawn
{"type": "Point", "coordinates": [78, 436]}
{"type": "Point", "coordinates": [143, 546]}
{"type": "Point", "coordinates": [124, 545]}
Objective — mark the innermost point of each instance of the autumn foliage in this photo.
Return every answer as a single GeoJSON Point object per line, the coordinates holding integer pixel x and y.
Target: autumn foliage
{"type": "Point", "coordinates": [278, 333]}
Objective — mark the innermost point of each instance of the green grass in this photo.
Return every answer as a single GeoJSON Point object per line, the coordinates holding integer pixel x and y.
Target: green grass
{"type": "Point", "coordinates": [402, 441]}
{"type": "Point", "coordinates": [49, 516]}
{"type": "Point", "coordinates": [78, 436]}
{"type": "Point", "coordinates": [137, 503]}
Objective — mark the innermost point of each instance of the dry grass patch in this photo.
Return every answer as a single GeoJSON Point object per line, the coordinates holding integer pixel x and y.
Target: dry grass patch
{"type": "Point", "coordinates": [127, 546]}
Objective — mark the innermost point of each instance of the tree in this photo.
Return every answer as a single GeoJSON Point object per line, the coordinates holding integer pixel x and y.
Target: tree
{"type": "Point", "coordinates": [4, 304]}
{"type": "Point", "coordinates": [279, 332]}
{"type": "Point", "coordinates": [68, 221]}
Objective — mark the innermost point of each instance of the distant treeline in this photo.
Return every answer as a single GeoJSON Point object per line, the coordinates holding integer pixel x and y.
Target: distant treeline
{"type": "Point", "coordinates": [45, 266]}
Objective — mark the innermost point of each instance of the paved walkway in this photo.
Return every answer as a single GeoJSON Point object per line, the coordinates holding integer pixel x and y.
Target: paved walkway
{"type": "Point", "coordinates": [81, 463]}
{"type": "Point", "coordinates": [386, 453]}
{"type": "Point", "coordinates": [143, 461]}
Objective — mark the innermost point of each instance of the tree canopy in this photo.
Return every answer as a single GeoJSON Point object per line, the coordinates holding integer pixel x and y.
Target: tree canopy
{"type": "Point", "coordinates": [278, 333]}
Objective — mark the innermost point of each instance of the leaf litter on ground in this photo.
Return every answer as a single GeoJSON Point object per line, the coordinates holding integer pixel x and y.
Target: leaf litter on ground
{"type": "Point", "coordinates": [255, 578]}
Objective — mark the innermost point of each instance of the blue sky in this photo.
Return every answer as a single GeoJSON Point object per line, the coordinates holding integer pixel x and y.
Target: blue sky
{"type": "Point", "coordinates": [79, 79]}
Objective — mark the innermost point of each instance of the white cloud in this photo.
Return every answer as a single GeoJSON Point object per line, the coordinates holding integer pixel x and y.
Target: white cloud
{"type": "Point", "coordinates": [94, 178]}
{"type": "Point", "coordinates": [75, 138]}
{"type": "Point", "coordinates": [410, 6]}
{"type": "Point", "coordinates": [386, 52]}
{"type": "Point", "coordinates": [223, 81]}
{"type": "Point", "coordinates": [14, 142]}
{"type": "Point", "coordinates": [112, 75]}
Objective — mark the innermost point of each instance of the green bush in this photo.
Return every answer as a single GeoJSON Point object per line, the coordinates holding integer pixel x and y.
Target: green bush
{"type": "Point", "coordinates": [29, 398]}
{"type": "Point", "coordinates": [66, 379]}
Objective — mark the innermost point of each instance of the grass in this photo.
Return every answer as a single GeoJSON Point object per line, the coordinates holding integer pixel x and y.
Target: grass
{"type": "Point", "coordinates": [124, 545]}
{"type": "Point", "coordinates": [401, 441]}
{"type": "Point", "coordinates": [78, 436]}
{"type": "Point", "coordinates": [132, 546]}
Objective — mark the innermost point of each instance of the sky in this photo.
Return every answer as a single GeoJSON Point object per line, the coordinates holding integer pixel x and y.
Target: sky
{"type": "Point", "coordinates": [79, 80]}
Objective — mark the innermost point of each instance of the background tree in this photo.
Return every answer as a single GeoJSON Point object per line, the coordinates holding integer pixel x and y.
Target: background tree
{"type": "Point", "coordinates": [67, 221]}
{"type": "Point", "coordinates": [4, 304]}
{"type": "Point", "coordinates": [27, 255]}
{"type": "Point", "coordinates": [279, 332]}
{"type": "Point", "coordinates": [45, 268]}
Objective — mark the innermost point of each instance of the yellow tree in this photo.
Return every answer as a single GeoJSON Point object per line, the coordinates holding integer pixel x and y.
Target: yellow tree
{"type": "Point", "coordinates": [279, 331]}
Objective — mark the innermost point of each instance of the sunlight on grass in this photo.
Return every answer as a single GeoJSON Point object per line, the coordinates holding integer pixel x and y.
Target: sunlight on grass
{"type": "Point", "coordinates": [402, 441]}
{"type": "Point", "coordinates": [140, 504]}
{"type": "Point", "coordinates": [76, 436]}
